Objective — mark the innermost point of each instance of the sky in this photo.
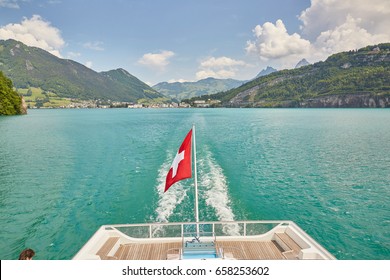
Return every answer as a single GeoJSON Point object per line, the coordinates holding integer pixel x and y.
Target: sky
{"type": "Point", "coordinates": [189, 40]}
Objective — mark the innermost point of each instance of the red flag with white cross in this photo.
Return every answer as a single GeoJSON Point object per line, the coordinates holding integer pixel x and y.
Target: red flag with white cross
{"type": "Point", "coordinates": [181, 166]}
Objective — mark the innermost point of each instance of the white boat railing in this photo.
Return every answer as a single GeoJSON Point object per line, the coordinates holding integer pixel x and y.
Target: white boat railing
{"type": "Point", "coordinates": [179, 229]}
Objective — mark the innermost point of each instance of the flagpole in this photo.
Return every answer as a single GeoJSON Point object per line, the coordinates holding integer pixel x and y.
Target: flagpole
{"type": "Point", "coordinates": [196, 184]}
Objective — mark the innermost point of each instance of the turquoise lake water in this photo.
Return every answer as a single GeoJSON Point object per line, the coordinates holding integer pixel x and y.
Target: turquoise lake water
{"type": "Point", "coordinates": [63, 173]}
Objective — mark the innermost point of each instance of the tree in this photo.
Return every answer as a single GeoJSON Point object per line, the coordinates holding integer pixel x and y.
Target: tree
{"type": "Point", "coordinates": [10, 101]}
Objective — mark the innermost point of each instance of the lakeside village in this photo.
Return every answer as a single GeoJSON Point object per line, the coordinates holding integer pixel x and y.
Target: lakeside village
{"type": "Point", "coordinates": [91, 104]}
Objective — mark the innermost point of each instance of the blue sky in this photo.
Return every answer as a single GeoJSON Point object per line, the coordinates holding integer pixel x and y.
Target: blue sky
{"type": "Point", "coordinates": [183, 40]}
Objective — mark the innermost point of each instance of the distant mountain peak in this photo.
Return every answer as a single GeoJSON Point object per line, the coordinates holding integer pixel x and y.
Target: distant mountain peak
{"type": "Point", "coordinates": [266, 71]}
{"type": "Point", "coordinates": [120, 71]}
{"type": "Point", "coordinates": [302, 62]}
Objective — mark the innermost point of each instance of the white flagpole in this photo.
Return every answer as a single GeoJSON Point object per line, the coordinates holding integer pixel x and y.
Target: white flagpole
{"type": "Point", "coordinates": [196, 184]}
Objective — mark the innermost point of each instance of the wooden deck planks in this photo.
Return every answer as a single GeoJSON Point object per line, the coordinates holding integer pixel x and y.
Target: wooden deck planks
{"type": "Point", "coordinates": [253, 250]}
{"type": "Point", "coordinates": [289, 242]}
{"type": "Point", "coordinates": [250, 250]}
{"type": "Point", "coordinates": [107, 246]}
{"type": "Point", "coordinates": [148, 251]}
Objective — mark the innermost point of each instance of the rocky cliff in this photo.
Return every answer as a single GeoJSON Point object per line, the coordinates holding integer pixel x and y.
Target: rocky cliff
{"type": "Point", "coordinates": [364, 100]}
{"type": "Point", "coordinates": [23, 109]}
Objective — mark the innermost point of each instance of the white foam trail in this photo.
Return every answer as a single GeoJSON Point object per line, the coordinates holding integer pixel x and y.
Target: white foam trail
{"type": "Point", "coordinates": [167, 201]}
{"type": "Point", "coordinates": [213, 181]}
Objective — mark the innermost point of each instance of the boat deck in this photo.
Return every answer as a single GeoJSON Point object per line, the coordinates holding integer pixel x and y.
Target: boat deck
{"type": "Point", "coordinates": [246, 250]}
{"type": "Point", "coordinates": [255, 240]}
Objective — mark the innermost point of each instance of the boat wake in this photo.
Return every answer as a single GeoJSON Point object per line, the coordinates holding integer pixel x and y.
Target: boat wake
{"type": "Point", "coordinates": [168, 203]}
{"type": "Point", "coordinates": [214, 189]}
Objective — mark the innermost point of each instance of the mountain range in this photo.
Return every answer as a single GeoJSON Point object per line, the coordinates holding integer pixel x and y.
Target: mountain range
{"type": "Point", "coordinates": [358, 78]}
{"type": "Point", "coordinates": [179, 91]}
{"type": "Point", "coordinates": [186, 90]}
{"type": "Point", "coordinates": [33, 67]}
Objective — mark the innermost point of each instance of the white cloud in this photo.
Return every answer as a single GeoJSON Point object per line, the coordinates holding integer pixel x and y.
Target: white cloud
{"type": "Point", "coordinates": [157, 61]}
{"type": "Point", "coordinates": [335, 26]}
{"type": "Point", "coordinates": [221, 62]}
{"type": "Point", "coordinates": [272, 41]}
{"type": "Point", "coordinates": [12, 4]}
{"type": "Point", "coordinates": [323, 15]}
{"type": "Point", "coordinates": [347, 36]}
{"type": "Point", "coordinates": [221, 68]}
{"type": "Point", "coordinates": [328, 26]}
{"type": "Point", "coordinates": [88, 64]}
{"type": "Point", "coordinates": [96, 46]}
{"type": "Point", "coordinates": [221, 74]}
{"type": "Point", "coordinates": [35, 32]}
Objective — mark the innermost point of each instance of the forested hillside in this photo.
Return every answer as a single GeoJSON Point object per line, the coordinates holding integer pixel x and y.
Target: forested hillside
{"type": "Point", "coordinates": [30, 67]}
{"type": "Point", "coordinates": [10, 101]}
{"type": "Point", "coordinates": [340, 81]}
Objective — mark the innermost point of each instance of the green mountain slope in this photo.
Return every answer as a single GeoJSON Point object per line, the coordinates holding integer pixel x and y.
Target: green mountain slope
{"type": "Point", "coordinates": [348, 79]}
{"type": "Point", "coordinates": [185, 90]}
{"type": "Point", "coordinates": [33, 67]}
{"type": "Point", "coordinates": [131, 84]}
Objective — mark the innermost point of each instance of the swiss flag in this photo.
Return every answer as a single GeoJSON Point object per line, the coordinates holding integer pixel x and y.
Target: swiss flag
{"type": "Point", "coordinates": [181, 166]}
